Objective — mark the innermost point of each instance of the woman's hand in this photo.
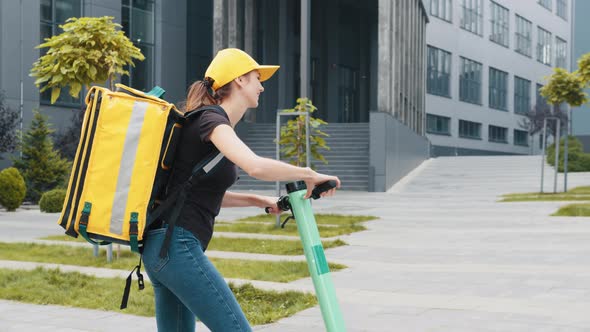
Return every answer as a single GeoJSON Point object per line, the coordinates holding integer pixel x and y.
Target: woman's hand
{"type": "Point", "coordinates": [317, 179]}
{"type": "Point", "coordinates": [270, 203]}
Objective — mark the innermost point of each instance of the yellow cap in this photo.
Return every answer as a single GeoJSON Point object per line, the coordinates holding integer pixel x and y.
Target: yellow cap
{"type": "Point", "coordinates": [232, 63]}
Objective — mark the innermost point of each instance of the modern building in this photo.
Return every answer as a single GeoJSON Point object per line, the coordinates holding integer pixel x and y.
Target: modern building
{"type": "Point", "coordinates": [487, 60]}
{"type": "Point", "coordinates": [366, 66]}
{"type": "Point", "coordinates": [580, 116]}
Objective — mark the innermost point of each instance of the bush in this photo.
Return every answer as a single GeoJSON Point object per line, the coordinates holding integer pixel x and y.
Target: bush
{"type": "Point", "coordinates": [52, 201]}
{"type": "Point", "coordinates": [13, 189]}
{"type": "Point", "coordinates": [577, 160]}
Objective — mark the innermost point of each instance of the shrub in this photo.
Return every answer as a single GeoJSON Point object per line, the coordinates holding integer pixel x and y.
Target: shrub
{"type": "Point", "coordinates": [52, 201]}
{"type": "Point", "coordinates": [577, 160]}
{"type": "Point", "coordinates": [13, 189]}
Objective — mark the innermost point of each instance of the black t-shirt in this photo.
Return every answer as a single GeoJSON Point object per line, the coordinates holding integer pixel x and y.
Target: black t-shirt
{"type": "Point", "coordinates": [204, 198]}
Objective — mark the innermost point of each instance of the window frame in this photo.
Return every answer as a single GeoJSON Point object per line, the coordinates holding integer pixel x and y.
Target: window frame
{"type": "Point", "coordinates": [445, 6]}
{"type": "Point", "coordinates": [476, 126]}
{"type": "Point", "coordinates": [520, 35]}
{"type": "Point", "coordinates": [472, 16]}
{"type": "Point", "coordinates": [547, 4]}
{"type": "Point", "coordinates": [497, 89]}
{"type": "Point", "coordinates": [500, 24]}
{"type": "Point", "coordinates": [435, 78]}
{"type": "Point", "coordinates": [469, 85]}
{"type": "Point", "coordinates": [129, 80]}
{"type": "Point", "coordinates": [526, 136]}
{"type": "Point", "coordinates": [560, 46]}
{"type": "Point", "coordinates": [519, 97]}
{"type": "Point", "coordinates": [436, 130]}
{"type": "Point", "coordinates": [495, 131]}
{"type": "Point", "coordinates": [544, 49]}
{"type": "Point", "coordinates": [561, 9]}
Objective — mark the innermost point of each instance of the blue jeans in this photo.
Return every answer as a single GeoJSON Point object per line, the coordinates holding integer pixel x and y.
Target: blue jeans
{"type": "Point", "coordinates": [187, 284]}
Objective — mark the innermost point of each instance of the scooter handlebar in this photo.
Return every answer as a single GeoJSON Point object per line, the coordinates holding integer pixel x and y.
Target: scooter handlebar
{"type": "Point", "coordinates": [283, 201]}
{"type": "Point", "coordinates": [323, 187]}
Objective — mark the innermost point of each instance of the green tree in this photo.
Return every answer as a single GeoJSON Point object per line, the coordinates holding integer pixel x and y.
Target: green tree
{"type": "Point", "coordinates": [293, 145]}
{"type": "Point", "coordinates": [41, 165]}
{"type": "Point", "coordinates": [566, 87]}
{"type": "Point", "coordinates": [90, 50]}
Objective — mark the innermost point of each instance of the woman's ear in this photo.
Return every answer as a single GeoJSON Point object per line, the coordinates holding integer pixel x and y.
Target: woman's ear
{"type": "Point", "coordinates": [241, 81]}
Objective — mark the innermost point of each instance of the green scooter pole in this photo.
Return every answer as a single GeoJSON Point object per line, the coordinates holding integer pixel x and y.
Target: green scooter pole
{"type": "Point", "coordinates": [314, 251]}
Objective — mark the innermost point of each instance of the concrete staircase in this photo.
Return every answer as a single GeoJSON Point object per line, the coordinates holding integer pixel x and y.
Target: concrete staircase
{"type": "Point", "coordinates": [348, 157]}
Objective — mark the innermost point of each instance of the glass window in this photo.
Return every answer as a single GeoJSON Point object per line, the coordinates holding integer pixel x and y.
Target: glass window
{"type": "Point", "coordinates": [541, 101]}
{"type": "Point", "coordinates": [468, 129]}
{"type": "Point", "coordinates": [438, 72]}
{"type": "Point", "coordinates": [138, 21]}
{"type": "Point", "coordinates": [524, 37]}
{"type": "Point", "coordinates": [543, 46]}
{"type": "Point", "coordinates": [560, 53]}
{"type": "Point", "coordinates": [472, 16]}
{"type": "Point", "coordinates": [497, 134]}
{"type": "Point", "coordinates": [470, 81]}
{"type": "Point", "coordinates": [522, 95]}
{"type": "Point", "coordinates": [521, 137]}
{"type": "Point", "coordinates": [499, 20]}
{"type": "Point", "coordinates": [53, 14]}
{"type": "Point", "coordinates": [498, 88]}
{"type": "Point", "coordinates": [436, 124]}
{"type": "Point", "coordinates": [442, 9]}
{"type": "Point", "coordinates": [545, 3]}
{"type": "Point", "coordinates": [562, 9]}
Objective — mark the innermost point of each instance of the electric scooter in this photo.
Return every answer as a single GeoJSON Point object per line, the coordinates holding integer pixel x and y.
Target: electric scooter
{"type": "Point", "coordinates": [314, 251]}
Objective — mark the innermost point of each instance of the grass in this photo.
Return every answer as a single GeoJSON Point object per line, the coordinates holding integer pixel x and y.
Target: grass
{"type": "Point", "coordinates": [321, 219]}
{"type": "Point", "coordinates": [282, 271]}
{"type": "Point", "coordinates": [264, 246]}
{"type": "Point", "coordinates": [575, 194]}
{"type": "Point", "coordinates": [574, 210]}
{"type": "Point", "coordinates": [42, 286]}
{"type": "Point", "coordinates": [257, 246]}
{"type": "Point", "coordinates": [290, 228]}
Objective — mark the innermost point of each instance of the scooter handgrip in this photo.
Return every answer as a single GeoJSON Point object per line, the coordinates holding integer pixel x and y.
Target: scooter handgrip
{"type": "Point", "coordinates": [331, 184]}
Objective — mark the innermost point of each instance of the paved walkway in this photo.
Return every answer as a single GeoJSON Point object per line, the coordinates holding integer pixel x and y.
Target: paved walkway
{"type": "Point", "coordinates": [445, 256]}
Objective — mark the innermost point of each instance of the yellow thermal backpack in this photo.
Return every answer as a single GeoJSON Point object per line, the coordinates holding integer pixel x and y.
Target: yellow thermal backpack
{"type": "Point", "coordinates": [118, 183]}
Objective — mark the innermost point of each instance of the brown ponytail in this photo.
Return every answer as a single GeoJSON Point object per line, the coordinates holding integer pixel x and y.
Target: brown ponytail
{"type": "Point", "coordinates": [199, 95]}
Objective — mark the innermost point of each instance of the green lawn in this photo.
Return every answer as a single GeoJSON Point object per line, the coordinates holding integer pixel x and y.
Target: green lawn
{"type": "Point", "coordinates": [282, 271]}
{"type": "Point", "coordinates": [264, 246]}
{"type": "Point", "coordinates": [257, 246]}
{"type": "Point", "coordinates": [574, 210]}
{"type": "Point", "coordinates": [575, 194]}
{"type": "Point", "coordinates": [290, 228]}
{"type": "Point", "coordinates": [321, 219]}
{"type": "Point", "coordinates": [42, 286]}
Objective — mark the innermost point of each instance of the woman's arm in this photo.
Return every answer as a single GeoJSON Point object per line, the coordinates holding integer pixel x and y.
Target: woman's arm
{"type": "Point", "coordinates": [232, 147]}
{"type": "Point", "coordinates": [231, 199]}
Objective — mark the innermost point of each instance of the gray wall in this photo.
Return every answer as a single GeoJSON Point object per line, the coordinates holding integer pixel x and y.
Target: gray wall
{"type": "Point", "coordinates": [395, 150]}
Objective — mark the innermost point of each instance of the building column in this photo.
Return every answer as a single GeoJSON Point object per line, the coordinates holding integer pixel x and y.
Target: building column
{"type": "Point", "coordinates": [386, 57]}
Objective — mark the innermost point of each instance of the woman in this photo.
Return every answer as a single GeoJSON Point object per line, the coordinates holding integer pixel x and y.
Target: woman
{"type": "Point", "coordinates": [185, 282]}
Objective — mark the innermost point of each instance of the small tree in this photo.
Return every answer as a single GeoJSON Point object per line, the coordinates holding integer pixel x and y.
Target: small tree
{"type": "Point", "coordinates": [534, 119]}
{"type": "Point", "coordinates": [41, 166]}
{"type": "Point", "coordinates": [90, 50]}
{"type": "Point", "coordinates": [8, 124]}
{"type": "Point", "coordinates": [293, 145]}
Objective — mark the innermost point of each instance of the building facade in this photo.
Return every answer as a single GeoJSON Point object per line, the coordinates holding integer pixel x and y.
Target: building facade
{"type": "Point", "coordinates": [366, 60]}
{"type": "Point", "coordinates": [486, 61]}
{"type": "Point", "coordinates": [580, 116]}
